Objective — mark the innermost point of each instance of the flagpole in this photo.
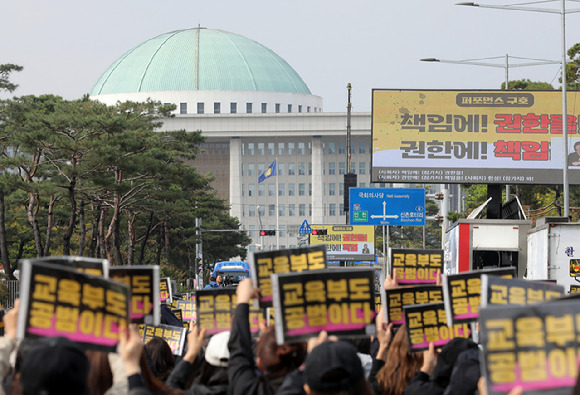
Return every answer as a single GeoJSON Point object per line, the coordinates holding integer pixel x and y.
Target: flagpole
{"type": "Point", "coordinates": [277, 208]}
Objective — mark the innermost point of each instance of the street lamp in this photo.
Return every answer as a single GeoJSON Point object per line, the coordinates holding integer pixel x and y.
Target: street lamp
{"type": "Point", "coordinates": [506, 66]}
{"type": "Point", "coordinates": [562, 13]}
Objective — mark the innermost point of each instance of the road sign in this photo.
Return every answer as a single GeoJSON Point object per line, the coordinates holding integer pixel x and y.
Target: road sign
{"type": "Point", "coordinates": [305, 229]}
{"type": "Point", "coordinates": [387, 206]}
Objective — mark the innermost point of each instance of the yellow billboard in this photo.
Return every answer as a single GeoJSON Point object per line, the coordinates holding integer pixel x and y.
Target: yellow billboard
{"type": "Point", "coordinates": [347, 242]}
{"type": "Point", "coordinates": [487, 137]}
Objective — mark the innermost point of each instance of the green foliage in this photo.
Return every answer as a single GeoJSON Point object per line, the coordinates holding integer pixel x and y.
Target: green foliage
{"type": "Point", "coordinates": [5, 70]}
{"type": "Point", "coordinates": [526, 84]}
{"type": "Point", "coordinates": [133, 187]}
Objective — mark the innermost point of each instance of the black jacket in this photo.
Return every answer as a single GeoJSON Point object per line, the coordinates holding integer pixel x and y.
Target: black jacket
{"type": "Point", "coordinates": [436, 384]}
{"type": "Point", "coordinates": [241, 369]}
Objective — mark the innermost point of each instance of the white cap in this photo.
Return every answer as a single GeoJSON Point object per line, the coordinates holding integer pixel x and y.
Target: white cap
{"type": "Point", "coordinates": [217, 352]}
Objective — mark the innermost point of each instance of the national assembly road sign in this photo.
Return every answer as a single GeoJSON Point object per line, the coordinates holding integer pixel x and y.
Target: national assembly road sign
{"type": "Point", "coordinates": [387, 206]}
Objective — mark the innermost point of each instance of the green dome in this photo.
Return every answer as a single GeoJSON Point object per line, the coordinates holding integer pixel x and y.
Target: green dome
{"type": "Point", "coordinates": [199, 59]}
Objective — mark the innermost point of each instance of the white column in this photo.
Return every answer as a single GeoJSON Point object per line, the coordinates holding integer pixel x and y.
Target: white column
{"type": "Point", "coordinates": [236, 178]}
{"type": "Point", "coordinates": [317, 181]}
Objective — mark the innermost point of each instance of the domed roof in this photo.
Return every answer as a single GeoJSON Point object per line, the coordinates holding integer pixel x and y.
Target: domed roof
{"type": "Point", "coordinates": [199, 59]}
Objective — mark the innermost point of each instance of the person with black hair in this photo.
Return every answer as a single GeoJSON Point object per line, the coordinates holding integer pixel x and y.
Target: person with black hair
{"type": "Point", "coordinates": [574, 157]}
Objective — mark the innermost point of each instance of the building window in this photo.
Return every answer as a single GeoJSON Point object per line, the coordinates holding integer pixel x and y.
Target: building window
{"type": "Point", "coordinates": [301, 169]}
{"type": "Point", "coordinates": [277, 108]}
{"type": "Point", "coordinates": [341, 208]}
{"type": "Point", "coordinates": [301, 210]}
{"type": "Point", "coordinates": [289, 107]}
{"type": "Point", "coordinates": [342, 168]}
{"type": "Point", "coordinates": [341, 148]}
{"type": "Point", "coordinates": [291, 189]}
{"type": "Point", "coordinates": [271, 210]}
{"type": "Point", "coordinates": [280, 169]}
{"type": "Point", "coordinates": [261, 190]}
{"type": "Point", "coordinates": [332, 210]}
{"type": "Point", "coordinates": [251, 190]}
{"type": "Point", "coordinates": [301, 189]}
{"type": "Point", "coordinates": [309, 168]}
{"type": "Point", "coordinates": [281, 149]}
{"type": "Point", "coordinates": [251, 211]}
{"type": "Point", "coordinates": [233, 108]}
{"type": "Point", "coordinates": [261, 211]}
{"type": "Point", "coordinates": [363, 185]}
{"type": "Point", "coordinates": [242, 169]}
{"type": "Point", "coordinates": [301, 148]}
{"type": "Point", "coordinates": [310, 209]}
{"type": "Point", "coordinates": [281, 189]}
{"type": "Point", "coordinates": [251, 169]}
{"type": "Point", "coordinates": [261, 147]}
{"type": "Point", "coordinates": [183, 108]}
{"type": "Point", "coordinates": [270, 148]}
{"type": "Point", "coordinates": [299, 108]}
{"type": "Point", "coordinates": [341, 189]}
{"type": "Point", "coordinates": [200, 108]}
{"type": "Point", "coordinates": [291, 210]}
{"type": "Point", "coordinates": [243, 190]}
{"type": "Point", "coordinates": [331, 168]}
{"type": "Point", "coordinates": [264, 108]}
{"type": "Point", "coordinates": [291, 169]}
{"type": "Point", "coordinates": [291, 149]}
{"type": "Point", "coordinates": [309, 189]}
{"type": "Point", "coordinates": [362, 169]}
{"type": "Point", "coordinates": [307, 108]}
{"type": "Point", "coordinates": [361, 147]}
{"type": "Point", "coordinates": [249, 108]}
{"type": "Point", "coordinates": [217, 108]}
{"type": "Point", "coordinates": [331, 148]}
{"type": "Point", "coordinates": [271, 189]}
{"type": "Point", "coordinates": [261, 168]}
{"type": "Point", "coordinates": [250, 148]}
{"type": "Point", "coordinates": [282, 211]}
{"type": "Point", "coordinates": [332, 189]}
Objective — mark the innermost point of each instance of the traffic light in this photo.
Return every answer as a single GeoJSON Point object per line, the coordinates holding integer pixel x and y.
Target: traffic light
{"type": "Point", "coordinates": [319, 232]}
{"type": "Point", "coordinates": [267, 233]}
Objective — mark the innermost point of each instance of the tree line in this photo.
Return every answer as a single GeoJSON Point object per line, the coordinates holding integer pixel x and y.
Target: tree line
{"type": "Point", "coordinates": [84, 178]}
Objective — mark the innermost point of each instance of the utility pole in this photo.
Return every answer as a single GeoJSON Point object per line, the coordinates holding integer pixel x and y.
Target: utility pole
{"type": "Point", "coordinates": [349, 177]}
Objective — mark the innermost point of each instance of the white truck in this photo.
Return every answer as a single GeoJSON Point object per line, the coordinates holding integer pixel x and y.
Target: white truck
{"type": "Point", "coordinates": [554, 252]}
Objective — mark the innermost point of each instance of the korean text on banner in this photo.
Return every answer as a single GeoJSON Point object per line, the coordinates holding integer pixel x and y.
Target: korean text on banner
{"type": "Point", "coordinates": [266, 263]}
{"type": "Point", "coordinates": [143, 281]}
{"type": "Point", "coordinates": [341, 302]}
{"type": "Point", "coordinates": [58, 301]}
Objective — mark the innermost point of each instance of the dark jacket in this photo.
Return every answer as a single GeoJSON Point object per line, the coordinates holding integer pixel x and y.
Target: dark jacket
{"type": "Point", "coordinates": [242, 370]}
{"type": "Point", "coordinates": [180, 375]}
{"type": "Point", "coordinates": [465, 374]}
{"type": "Point", "coordinates": [373, 383]}
{"type": "Point", "coordinates": [422, 384]}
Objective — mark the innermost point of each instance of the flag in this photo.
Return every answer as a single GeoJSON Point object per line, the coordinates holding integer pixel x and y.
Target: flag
{"type": "Point", "coordinates": [269, 172]}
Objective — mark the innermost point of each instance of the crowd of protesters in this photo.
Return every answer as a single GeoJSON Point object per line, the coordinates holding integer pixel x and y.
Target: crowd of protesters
{"type": "Point", "coordinates": [234, 363]}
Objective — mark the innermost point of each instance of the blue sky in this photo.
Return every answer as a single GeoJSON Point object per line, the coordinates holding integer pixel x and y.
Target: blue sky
{"type": "Point", "coordinates": [65, 45]}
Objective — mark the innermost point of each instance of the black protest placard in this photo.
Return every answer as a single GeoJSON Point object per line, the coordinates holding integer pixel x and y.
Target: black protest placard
{"type": "Point", "coordinates": [427, 323]}
{"type": "Point", "coordinates": [397, 298]}
{"type": "Point", "coordinates": [60, 301]}
{"type": "Point", "coordinates": [178, 314]}
{"type": "Point", "coordinates": [462, 293]}
{"type": "Point", "coordinates": [188, 311]}
{"type": "Point", "coordinates": [165, 293]}
{"type": "Point", "coordinates": [173, 335]}
{"type": "Point", "coordinates": [94, 266]}
{"type": "Point", "coordinates": [532, 346]}
{"type": "Point", "coordinates": [414, 266]}
{"type": "Point", "coordinates": [294, 260]}
{"type": "Point", "coordinates": [215, 310]}
{"type": "Point", "coordinates": [341, 302]}
{"type": "Point", "coordinates": [514, 291]}
{"type": "Point", "coordinates": [143, 281]}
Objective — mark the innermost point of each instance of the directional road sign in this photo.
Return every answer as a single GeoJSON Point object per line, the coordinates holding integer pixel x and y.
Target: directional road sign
{"type": "Point", "coordinates": [387, 206]}
{"type": "Point", "coordinates": [305, 229]}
